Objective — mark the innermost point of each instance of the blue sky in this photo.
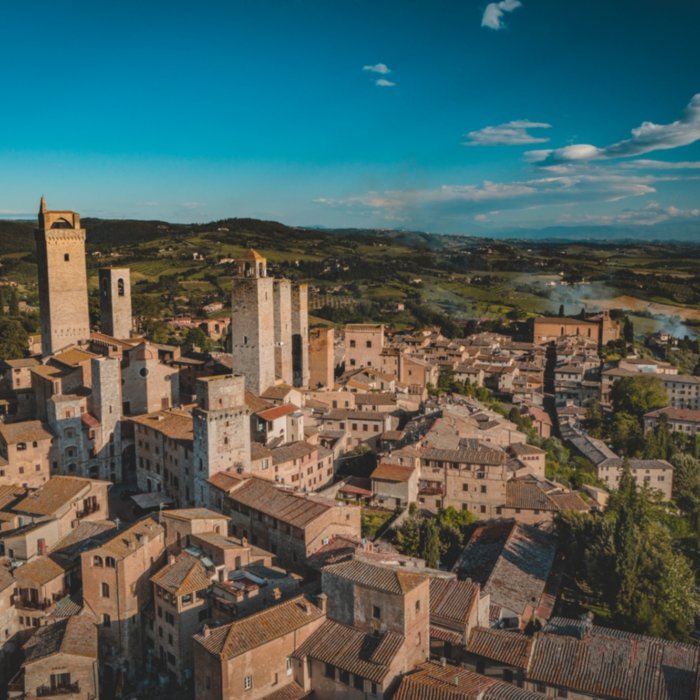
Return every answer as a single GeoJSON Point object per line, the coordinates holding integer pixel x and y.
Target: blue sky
{"type": "Point", "coordinates": [448, 116]}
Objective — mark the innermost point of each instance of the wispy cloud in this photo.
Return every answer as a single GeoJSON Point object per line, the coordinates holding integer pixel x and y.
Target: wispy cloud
{"type": "Point", "coordinates": [514, 133]}
{"type": "Point", "coordinates": [380, 68]}
{"type": "Point", "coordinates": [493, 14]}
{"type": "Point", "coordinates": [650, 164]}
{"type": "Point", "coordinates": [645, 138]}
{"type": "Point", "coordinates": [650, 215]}
{"type": "Point", "coordinates": [382, 82]}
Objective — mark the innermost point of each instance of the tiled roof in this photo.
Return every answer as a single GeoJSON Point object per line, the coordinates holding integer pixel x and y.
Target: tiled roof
{"type": "Point", "coordinates": [193, 514]}
{"type": "Point", "coordinates": [129, 540]}
{"type": "Point", "coordinates": [451, 602]}
{"type": "Point", "coordinates": [690, 415]}
{"type": "Point", "coordinates": [608, 663]}
{"type": "Point", "coordinates": [270, 414]}
{"type": "Point", "coordinates": [292, 450]}
{"type": "Point", "coordinates": [291, 691]}
{"type": "Point", "coordinates": [175, 424]}
{"type": "Point", "coordinates": [509, 648]}
{"type": "Point", "coordinates": [38, 572]}
{"type": "Point", "coordinates": [378, 399]}
{"type": "Point", "coordinates": [392, 472]}
{"type": "Point", "coordinates": [57, 492]}
{"type": "Point", "coordinates": [73, 356]}
{"type": "Point", "coordinates": [25, 431]}
{"type": "Point", "coordinates": [518, 575]}
{"type": "Point", "coordinates": [362, 654]}
{"type": "Point", "coordinates": [75, 635]}
{"type": "Point", "coordinates": [337, 414]}
{"type": "Point", "coordinates": [9, 493]}
{"type": "Point", "coordinates": [292, 508]}
{"type": "Point", "coordinates": [226, 480]}
{"type": "Point", "coordinates": [255, 403]}
{"type": "Point", "coordinates": [185, 575]}
{"type": "Point", "coordinates": [381, 578]}
{"type": "Point", "coordinates": [278, 392]}
{"type": "Point", "coordinates": [637, 463]}
{"type": "Point", "coordinates": [476, 454]}
{"type": "Point", "coordinates": [436, 682]}
{"type": "Point", "coordinates": [6, 578]}
{"type": "Point", "coordinates": [260, 628]}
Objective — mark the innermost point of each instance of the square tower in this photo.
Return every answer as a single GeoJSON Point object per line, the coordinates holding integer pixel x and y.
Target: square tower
{"type": "Point", "coordinates": [300, 334]}
{"type": "Point", "coordinates": [252, 322]}
{"type": "Point", "coordinates": [221, 430]}
{"type": "Point", "coordinates": [115, 301]}
{"type": "Point", "coordinates": [283, 330]}
{"type": "Point", "coordinates": [63, 294]}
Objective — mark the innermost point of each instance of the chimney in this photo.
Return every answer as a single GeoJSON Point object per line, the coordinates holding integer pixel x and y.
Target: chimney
{"type": "Point", "coordinates": [276, 593]}
{"type": "Point", "coordinates": [443, 661]}
{"type": "Point", "coordinates": [244, 541]}
{"type": "Point", "coordinates": [323, 602]}
{"type": "Point", "coordinates": [41, 547]}
{"type": "Point", "coordinates": [171, 559]}
{"type": "Point", "coordinates": [206, 631]}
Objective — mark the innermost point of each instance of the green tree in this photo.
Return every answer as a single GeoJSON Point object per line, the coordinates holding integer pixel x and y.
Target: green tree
{"type": "Point", "coordinates": [2, 301]}
{"type": "Point", "coordinates": [430, 545]}
{"type": "Point", "coordinates": [14, 303]}
{"type": "Point", "coordinates": [628, 331]}
{"type": "Point", "coordinates": [686, 481]}
{"type": "Point", "coordinates": [14, 339]}
{"type": "Point", "coordinates": [626, 434]}
{"type": "Point", "coordinates": [594, 422]}
{"type": "Point", "coordinates": [408, 536]}
{"type": "Point", "coordinates": [639, 394]}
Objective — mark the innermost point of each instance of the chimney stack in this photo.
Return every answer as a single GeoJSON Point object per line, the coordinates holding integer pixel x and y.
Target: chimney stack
{"type": "Point", "coordinates": [323, 602]}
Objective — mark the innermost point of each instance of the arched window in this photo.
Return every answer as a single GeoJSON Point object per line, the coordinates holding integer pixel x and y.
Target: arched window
{"type": "Point", "coordinates": [109, 561]}
{"type": "Point", "coordinates": [97, 560]}
{"type": "Point", "coordinates": [120, 287]}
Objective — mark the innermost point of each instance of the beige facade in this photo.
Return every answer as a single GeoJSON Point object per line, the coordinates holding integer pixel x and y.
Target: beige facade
{"type": "Point", "coordinates": [148, 384]}
{"type": "Point", "coordinates": [321, 358]}
{"type": "Point", "coordinates": [25, 450]}
{"type": "Point", "coordinates": [283, 330]}
{"type": "Point", "coordinates": [364, 343]}
{"type": "Point", "coordinates": [115, 301]}
{"type": "Point", "coordinates": [599, 328]}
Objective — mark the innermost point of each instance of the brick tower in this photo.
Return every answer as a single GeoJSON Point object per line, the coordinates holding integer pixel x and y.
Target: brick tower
{"type": "Point", "coordinates": [63, 295]}
{"type": "Point", "coordinates": [115, 301]}
{"type": "Point", "coordinates": [252, 326]}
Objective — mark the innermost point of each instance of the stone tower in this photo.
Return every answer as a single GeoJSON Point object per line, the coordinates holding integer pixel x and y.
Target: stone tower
{"type": "Point", "coordinates": [63, 295]}
{"type": "Point", "coordinates": [115, 301]}
{"type": "Point", "coordinates": [106, 406]}
{"type": "Point", "coordinates": [300, 334]}
{"type": "Point", "coordinates": [252, 326]}
{"type": "Point", "coordinates": [221, 431]}
{"type": "Point", "coordinates": [283, 330]}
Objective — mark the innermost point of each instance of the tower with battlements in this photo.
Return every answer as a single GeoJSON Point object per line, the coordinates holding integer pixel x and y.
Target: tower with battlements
{"type": "Point", "coordinates": [63, 293]}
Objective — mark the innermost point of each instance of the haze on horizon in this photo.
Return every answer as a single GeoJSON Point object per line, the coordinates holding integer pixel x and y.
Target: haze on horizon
{"type": "Point", "coordinates": [448, 116]}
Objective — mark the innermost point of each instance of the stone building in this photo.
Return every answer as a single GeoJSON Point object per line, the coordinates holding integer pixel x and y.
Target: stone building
{"type": "Point", "coordinates": [655, 474]}
{"type": "Point", "coordinates": [41, 584]}
{"type": "Point", "coordinates": [115, 301]}
{"type": "Point", "coordinates": [364, 343]}
{"type": "Point", "coordinates": [600, 328]}
{"type": "Point", "coordinates": [679, 420]}
{"type": "Point", "coordinates": [221, 431]}
{"type": "Point", "coordinates": [63, 293]}
{"type": "Point", "coordinates": [117, 589]}
{"type": "Point", "coordinates": [321, 358]}
{"type": "Point", "coordinates": [148, 383]}
{"type": "Point", "coordinates": [283, 330]}
{"type": "Point", "coordinates": [182, 524]}
{"type": "Point", "coordinates": [25, 450]}
{"type": "Point", "coordinates": [253, 322]}
{"type": "Point", "coordinates": [60, 660]}
{"type": "Point", "coordinates": [300, 335]}
{"type": "Point", "coordinates": [252, 658]}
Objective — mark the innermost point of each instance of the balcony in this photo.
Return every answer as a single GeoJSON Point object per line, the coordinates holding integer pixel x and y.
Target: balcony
{"type": "Point", "coordinates": [28, 604]}
{"type": "Point", "coordinates": [47, 691]}
{"type": "Point", "coordinates": [87, 509]}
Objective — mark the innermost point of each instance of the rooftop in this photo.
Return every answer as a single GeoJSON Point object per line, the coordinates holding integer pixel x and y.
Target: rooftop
{"type": "Point", "coordinates": [185, 575]}
{"type": "Point", "coordinates": [25, 431]}
{"type": "Point", "coordinates": [76, 636]}
{"type": "Point", "coordinates": [381, 578]}
{"type": "Point", "coordinates": [57, 492]}
{"type": "Point", "coordinates": [173, 423]}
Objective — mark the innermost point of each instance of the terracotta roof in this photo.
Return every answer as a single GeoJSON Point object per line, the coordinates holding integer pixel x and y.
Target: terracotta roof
{"type": "Point", "coordinates": [226, 480]}
{"type": "Point", "coordinates": [270, 414]}
{"type": "Point", "coordinates": [25, 431]}
{"type": "Point", "coordinates": [380, 578]}
{"type": "Point", "coordinates": [38, 572]}
{"type": "Point", "coordinates": [76, 636]}
{"type": "Point", "coordinates": [392, 472]}
{"type": "Point", "coordinates": [175, 424]}
{"type": "Point", "coordinates": [57, 492]}
{"type": "Point", "coordinates": [292, 450]}
{"type": "Point", "coordinates": [509, 648]}
{"type": "Point", "coordinates": [277, 392]}
{"type": "Point", "coordinates": [602, 662]}
{"type": "Point", "coordinates": [362, 654]}
{"type": "Point", "coordinates": [258, 451]}
{"type": "Point", "coordinates": [185, 575]}
{"type": "Point", "coordinates": [260, 628]}
{"type": "Point", "coordinates": [291, 691]}
{"type": "Point", "coordinates": [255, 403]}
{"type": "Point", "coordinates": [292, 508]}
{"type": "Point", "coordinates": [522, 448]}
{"type": "Point", "coordinates": [689, 415]}
{"type": "Point", "coordinates": [478, 454]}
{"type": "Point", "coordinates": [451, 602]}
{"type": "Point", "coordinates": [637, 463]}
{"type": "Point", "coordinates": [436, 682]}
{"type": "Point", "coordinates": [9, 493]}
{"type": "Point", "coordinates": [21, 362]}
{"type": "Point", "coordinates": [6, 577]}
{"type": "Point", "coordinates": [127, 541]}
{"type": "Point", "coordinates": [193, 514]}
{"type": "Point", "coordinates": [73, 356]}
{"type": "Point", "coordinates": [378, 399]}
{"type": "Point", "coordinates": [530, 493]}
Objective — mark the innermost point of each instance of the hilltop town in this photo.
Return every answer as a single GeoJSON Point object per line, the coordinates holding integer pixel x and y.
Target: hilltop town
{"type": "Point", "coordinates": [260, 498]}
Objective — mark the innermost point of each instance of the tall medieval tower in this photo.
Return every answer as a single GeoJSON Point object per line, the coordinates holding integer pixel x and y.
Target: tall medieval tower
{"type": "Point", "coordinates": [115, 301]}
{"type": "Point", "coordinates": [63, 294]}
{"type": "Point", "coordinates": [253, 323]}
{"type": "Point", "coordinates": [221, 431]}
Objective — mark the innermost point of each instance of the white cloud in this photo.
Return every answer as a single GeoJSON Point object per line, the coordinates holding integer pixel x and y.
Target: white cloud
{"type": "Point", "coordinates": [652, 214]}
{"type": "Point", "coordinates": [514, 133]}
{"type": "Point", "coordinates": [380, 68]}
{"type": "Point", "coordinates": [493, 14]}
{"type": "Point", "coordinates": [645, 138]}
{"type": "Point", "coordinates": [651, 164]}
{"type": "Point", "coordinates": [381, 82]}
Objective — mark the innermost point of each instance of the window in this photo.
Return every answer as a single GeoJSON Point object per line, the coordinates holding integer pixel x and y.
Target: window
{"type": "Point", "coordinates": [104, 589]}
{"type": "Point", "coordinates": [353, 344]}
{"type": "Point", "coordinates": [66, 257]}
{"type": "Point", "coordinates": [247, 682]}
{"type": "Point", "coordinates": [97, 560]}
{"type": "Point", "coordinates": [344, 677]}
{"type": "Point", "coordinates": [330, 671]}
{"type": "Point", "coordinates": [562, 693]}
{"type": "Point", "coordinates": [483, 488]}
{"type": "Point", "coordinates": [359, 682]}
{"type": "Point", "coordinates": [376, 612]}
{"type": "Point", "coordinates": [120, 287]}
{"type": "Point", "coordinates": [418, 606]}
{"type": "Point", "coordinates": [507, 675]}
{"type": "Point", "coordinates": [289, 666]}
{"type": "Point", "coordinates": [369, 343]}
{"type": "Point", "coordinates": [109, 561]}
{"type": "Point", "coordinates": [106, 620]}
